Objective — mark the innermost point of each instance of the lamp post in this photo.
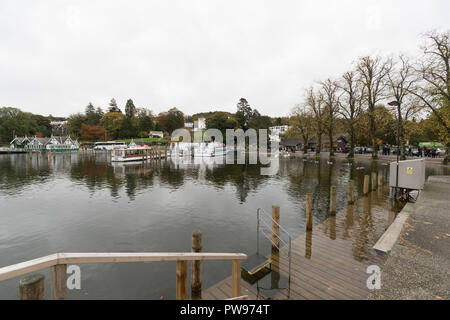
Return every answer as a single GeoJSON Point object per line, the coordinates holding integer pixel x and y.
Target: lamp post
{"type": "Point", "coordinates": [397, 104]}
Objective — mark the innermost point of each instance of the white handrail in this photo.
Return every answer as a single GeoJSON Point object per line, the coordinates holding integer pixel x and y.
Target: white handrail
{"type": "Point", "coordinates": [29, 266]}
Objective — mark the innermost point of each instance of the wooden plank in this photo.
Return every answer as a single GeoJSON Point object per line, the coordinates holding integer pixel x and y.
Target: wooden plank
{"type": "Point", "coordinates": [90, 258]}
{"type": "Point", "coordinates": [328, 281]}
{"type": "Point", "coordinates": [22, 268]}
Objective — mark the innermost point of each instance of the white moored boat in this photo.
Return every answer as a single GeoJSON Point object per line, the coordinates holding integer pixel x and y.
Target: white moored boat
{"type": "Point", "coordinates": [211, 149]}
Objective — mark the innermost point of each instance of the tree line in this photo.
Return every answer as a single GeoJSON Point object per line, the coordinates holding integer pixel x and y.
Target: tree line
{"type": "Point", "coordinates": [14, 122]}
{"type": "Point", "coordinates": [95, 124]}
{"type": "Point", "coordinates": [380, 93]}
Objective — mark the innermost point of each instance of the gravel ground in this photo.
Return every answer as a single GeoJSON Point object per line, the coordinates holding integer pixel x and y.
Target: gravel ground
{"type": "Point", "coordinates": [418, 266]}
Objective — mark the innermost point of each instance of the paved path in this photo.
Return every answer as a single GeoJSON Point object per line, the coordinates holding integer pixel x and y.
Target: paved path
{"type": "Point", "coordinates": [418, 266]}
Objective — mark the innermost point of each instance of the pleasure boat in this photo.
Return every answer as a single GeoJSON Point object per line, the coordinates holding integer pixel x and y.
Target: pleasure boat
{"type": "Point", "coordinates": [211, 149]}
{"type": "Point", "coordinates": [131, 154]}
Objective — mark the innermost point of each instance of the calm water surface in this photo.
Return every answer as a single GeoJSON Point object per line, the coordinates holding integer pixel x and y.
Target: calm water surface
{"type": "Point", "coordinates": [82, 203]}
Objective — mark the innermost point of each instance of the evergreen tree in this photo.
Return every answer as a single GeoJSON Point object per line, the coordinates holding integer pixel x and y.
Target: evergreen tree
{"type": "Point", "coordinates": [113, 106]}
{"type": "Point", "coordinates": [130, 109]}
{"type": "Point", "coordinates": [244, 113]}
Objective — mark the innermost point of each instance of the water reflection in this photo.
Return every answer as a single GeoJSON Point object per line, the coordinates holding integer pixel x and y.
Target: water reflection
{"type": "Point", "coordinates": [84, 203]}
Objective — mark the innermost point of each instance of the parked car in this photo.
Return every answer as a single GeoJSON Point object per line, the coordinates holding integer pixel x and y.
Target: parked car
{"type": "Point", "coordinates": [440, 152]}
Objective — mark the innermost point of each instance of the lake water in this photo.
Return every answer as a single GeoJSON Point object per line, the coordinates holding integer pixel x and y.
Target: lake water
{"type": "Point", "coordinates": [83, 203]}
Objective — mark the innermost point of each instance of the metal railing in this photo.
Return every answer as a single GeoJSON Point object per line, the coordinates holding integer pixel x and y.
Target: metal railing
{"type": "Point", "coordinates": [263, 221]}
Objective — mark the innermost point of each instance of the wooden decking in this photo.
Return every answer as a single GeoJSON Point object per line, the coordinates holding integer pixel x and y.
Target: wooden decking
{"type": "Point", "coordinates": [331, 261]}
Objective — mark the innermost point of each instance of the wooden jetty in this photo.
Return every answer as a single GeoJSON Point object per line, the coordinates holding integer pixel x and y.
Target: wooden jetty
{"type": "Point", "coordinates": [33, 287]}
{"type": "Point", "coordinates": [330, 262]}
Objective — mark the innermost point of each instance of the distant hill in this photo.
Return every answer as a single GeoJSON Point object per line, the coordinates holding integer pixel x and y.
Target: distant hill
{"type": "Point", "coordinates": [207, 115]}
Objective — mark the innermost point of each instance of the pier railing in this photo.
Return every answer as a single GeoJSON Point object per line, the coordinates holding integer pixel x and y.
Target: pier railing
{"type": "Point", "coordinates": [58, 263]}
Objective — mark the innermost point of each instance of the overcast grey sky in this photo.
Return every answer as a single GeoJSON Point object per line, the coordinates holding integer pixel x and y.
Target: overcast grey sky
{"type": "Point", "coordinates": [56, 56]}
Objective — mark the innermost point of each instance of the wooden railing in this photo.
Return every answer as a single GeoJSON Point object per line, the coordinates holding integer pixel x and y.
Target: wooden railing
{"type": "Point", "coordinates": [58, 263]}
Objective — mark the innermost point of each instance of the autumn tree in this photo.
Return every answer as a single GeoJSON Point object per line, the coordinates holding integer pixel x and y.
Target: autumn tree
{"type": "Point", "coordinates": [401, 82]}
{"type": "Point", "coordinates": [372, 73]}
{"type": "Point", "coordinates": [145, 121]}
{"type": "Point", "coordinates": [350, 105]}
{"type": "Point", "coordinates": [434, 90]}
{"type": "Point", "coordinates": [113, 123]}
{"type": "Point", "coordinates": [221, 121]}
{"type": "Point", "coordinates": [74, 123]}
{"type": "Point", "coordinates": [92, 132]}
{"type": "Point", "coordinates": [171, 120]}
{"type": "Point", "coordinates": [315, 102]}
{"type": "Point", "coordinates": [330, 91]}
{"type": "Point", "coordinates": [301, 124]}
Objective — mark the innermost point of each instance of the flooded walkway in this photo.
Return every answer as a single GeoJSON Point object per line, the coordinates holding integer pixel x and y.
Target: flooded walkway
{"type": "Point", "coordinates": [328, 263]}
{"type": "Point", "coordinates": [418, 266]}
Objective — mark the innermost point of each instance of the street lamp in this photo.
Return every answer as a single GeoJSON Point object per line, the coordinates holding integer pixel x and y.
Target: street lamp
{"type": "Point", "coordinates": [397, 104]}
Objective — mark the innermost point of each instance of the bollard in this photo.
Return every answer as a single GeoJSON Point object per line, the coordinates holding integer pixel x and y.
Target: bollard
{"type": "Point", "coordinates": [351, 192]}
{"type": "Point", "coordinates": [308, 212]}
{"type": "Point", "coordinates": [374, 181]}
{"type": "Point", "coordinates": [333, 200]}
{"type": "Point", "coordinates": [196, 272]}
{"type": "Point", "coordinates": [366, 185]}
{"type": "Point", "coordinates": [380, 180]}
{"type": "Point", "coordinates": [32, 287]}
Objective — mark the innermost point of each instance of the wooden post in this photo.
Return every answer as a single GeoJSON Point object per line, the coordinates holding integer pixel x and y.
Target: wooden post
{"type": "Point", "coordinates": [333, 200]}
{"type": "Point", "coordinates": [275, 228]}
{"type": "Point", "coordinates": [236, 279]}
{"type": "Point", "coordinates": [380, 179]}
{"type": "Point", "coordinates": [182, 280]}
{"type": "Point", "coordinates": [374, 181]}
{"type": "Point", "coordinates": [32, 287]}
{"type": "Point", "coordinates": [366, 185]}
{"type": "Point", "coordinates": [59, 279]}
{"type": "Point", "coordinates": [351, 192]}
{"type": "Point", "coordinates": [196, 266]}
{"type": "Point", "coordinates": [308, 212]}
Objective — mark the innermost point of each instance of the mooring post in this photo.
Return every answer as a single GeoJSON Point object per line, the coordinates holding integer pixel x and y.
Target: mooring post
{"type": "Point", "coordinates": [333, 200]}
{"type": "Point", "coordinates": [32, 287]}
{"type": "Point", "coordinates": [275, 227]}
{"type": "Point", "coordinates": [308, 212]}
{"type": "Point", "coordinates": [59, 279]}
{"type": "Point", "coordinates": [196, 266]}
{"type": "Point", "coordinates": [366, 185]}
{"type": "Point", "coordinates": [236, 278]}
{"type": "Point", "coordinates": [182, 280]}
{"type": "Point", "coordinates": [374, 181]}
{"type": "Point", "coordinates": [351, 192]}
{"type": "Point", "coordinates": [380, 179]}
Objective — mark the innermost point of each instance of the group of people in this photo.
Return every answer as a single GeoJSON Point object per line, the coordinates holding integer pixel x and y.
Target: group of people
{"type": "Point", "coordinates": [427, 152]}
{"type": "Point", "coordinates": [421, 152]}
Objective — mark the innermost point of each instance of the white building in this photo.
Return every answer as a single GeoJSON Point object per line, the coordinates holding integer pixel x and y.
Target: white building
{"type": "Point", "coordinates": [276, 132]}
{"type": "Point", "coordinates": [156, 134]}
{"type": "Point", "coordinates": [200, 124]}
